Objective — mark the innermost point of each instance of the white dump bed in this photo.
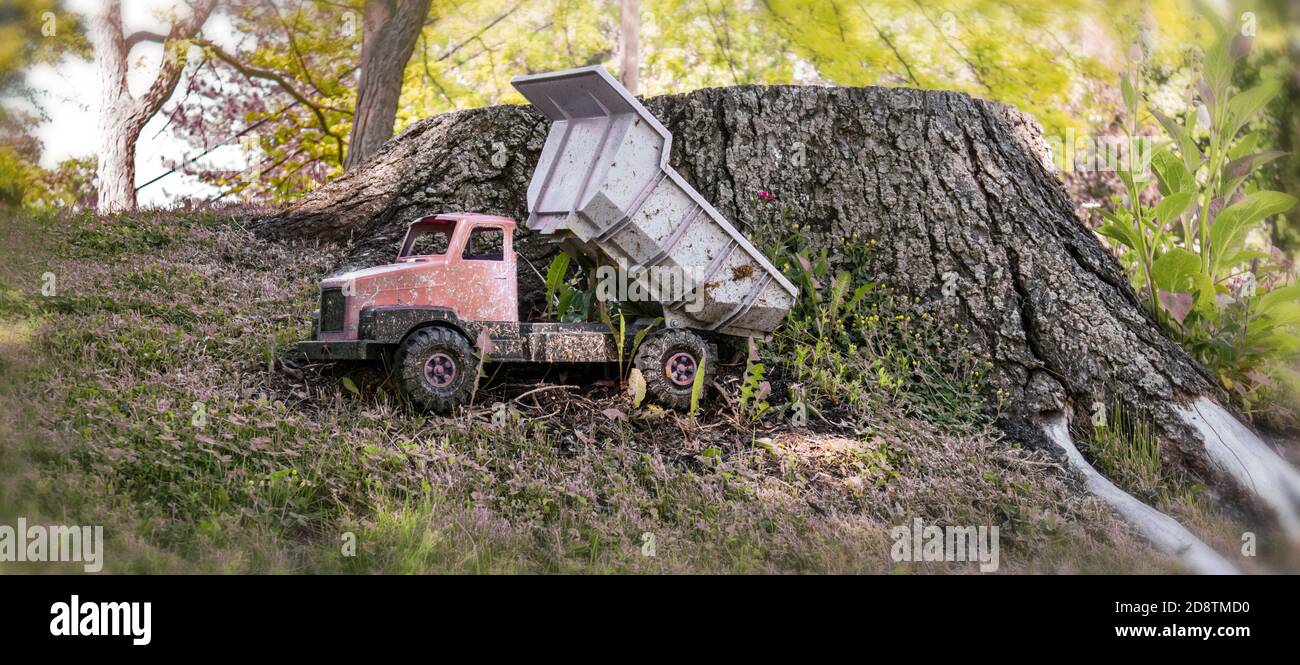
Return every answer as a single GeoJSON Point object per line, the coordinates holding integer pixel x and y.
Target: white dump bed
{"type": "Point", "coordinates": [603, 186]}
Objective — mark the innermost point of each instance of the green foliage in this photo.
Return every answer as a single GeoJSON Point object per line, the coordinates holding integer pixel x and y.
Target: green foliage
{"type": "Point", "coordinates": [32, 32]}
{"type": "Point", "coordinates": [563, 301]}
{"type": "Point", "coordinates": [636, 387]}
{"type": "Point", "coordinates": [697, 387]}
{"type": "Point", "coordinates": [555, 280]}
{"type": "Point", "coordinates": [639, 337]}
{"type": "Point", "coordinates": [754, 389]}
{"type": "Point", "coordinates": [854, 346]}
{"type": "Point", "coordinates": [15, 174]}
{"type": "Point", "coordinates": [1127, 450]}
{"type": "Point", "coordinates": [68, 186]}
{"type": "Point", "coordinates": [1199, 254]}
{"type": "Point", "coordinates": [1005, 51]}
{"type": "Point", "coordinates": [620, 339]}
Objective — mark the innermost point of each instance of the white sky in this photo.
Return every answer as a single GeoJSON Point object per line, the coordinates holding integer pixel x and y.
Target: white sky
{"type": "Point", "coordinates": [69, 94]}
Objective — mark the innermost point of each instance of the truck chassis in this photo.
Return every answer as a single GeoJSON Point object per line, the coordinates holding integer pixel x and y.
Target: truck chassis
{"type": "Point", "coordinates": [436, 354]}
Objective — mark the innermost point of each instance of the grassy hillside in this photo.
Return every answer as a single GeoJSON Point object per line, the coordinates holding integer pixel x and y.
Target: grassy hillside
{"type": "Point", "coordinates": [152, 393]}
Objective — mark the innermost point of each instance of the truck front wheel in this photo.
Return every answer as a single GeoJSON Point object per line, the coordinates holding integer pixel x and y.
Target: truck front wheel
{"type": "Point", "coordinates": [436, 368]}
{"type": "Point", "coordinates": [669, 361]}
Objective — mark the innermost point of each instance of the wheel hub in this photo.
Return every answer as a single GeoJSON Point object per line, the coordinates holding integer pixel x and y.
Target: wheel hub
{"type": "Point", "coordinates": [680, 368]}
{"type": "Point", "coordinates": [440, 370]}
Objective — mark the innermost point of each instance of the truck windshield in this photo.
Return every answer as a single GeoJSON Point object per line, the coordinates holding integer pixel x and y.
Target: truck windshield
{"type": "Point", "coordinates": [427, 239]}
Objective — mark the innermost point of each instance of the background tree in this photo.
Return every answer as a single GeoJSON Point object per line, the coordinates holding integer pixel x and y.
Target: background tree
{"type": "Point", "coordinates": [122, 115]}
{"type": "Point", "coordinates": [387, 39]}
{"type": "Point", "coordinates": [629, 45]}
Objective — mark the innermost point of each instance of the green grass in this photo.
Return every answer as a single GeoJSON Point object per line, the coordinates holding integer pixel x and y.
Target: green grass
{"type": "Point", "coordinates": [1127, 451]}
{"type": "Point", "coordinates": [161, 318]}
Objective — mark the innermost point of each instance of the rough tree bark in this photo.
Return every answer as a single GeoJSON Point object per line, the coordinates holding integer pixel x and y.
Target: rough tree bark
{"type": "Point", "coordinates": [952, 190]}
{"type": "Point", "coordinates": [388, 35]}
{"type": "Point", "coordinates": [121, 115]}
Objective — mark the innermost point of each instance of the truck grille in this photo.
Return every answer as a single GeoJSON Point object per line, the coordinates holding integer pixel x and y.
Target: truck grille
{"type": "Point", "coordinates": [331, 310]}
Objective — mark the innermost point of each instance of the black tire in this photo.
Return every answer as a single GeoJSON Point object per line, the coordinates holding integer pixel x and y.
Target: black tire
{"type": "Point", "coordinates": [436, 368]}
{"type": "Point", "coordinates": [660, 354]}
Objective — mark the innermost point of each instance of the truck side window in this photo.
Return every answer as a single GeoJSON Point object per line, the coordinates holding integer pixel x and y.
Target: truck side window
{"type": "Point", "coordinates": [430, 242]}
{"type": "Point", "coordinates": [484, 244]}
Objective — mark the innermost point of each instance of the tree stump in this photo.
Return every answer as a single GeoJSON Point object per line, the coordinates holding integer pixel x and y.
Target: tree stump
{"type": "Point", "coordinates": [953, 190]}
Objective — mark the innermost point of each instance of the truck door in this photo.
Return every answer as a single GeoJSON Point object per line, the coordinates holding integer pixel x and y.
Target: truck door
{"type": "Point", "coordinates": [485, 275]}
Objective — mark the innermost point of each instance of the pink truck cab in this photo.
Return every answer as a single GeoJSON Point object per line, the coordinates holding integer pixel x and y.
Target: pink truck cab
{"type": "Point", "coordinates": [463, 263]}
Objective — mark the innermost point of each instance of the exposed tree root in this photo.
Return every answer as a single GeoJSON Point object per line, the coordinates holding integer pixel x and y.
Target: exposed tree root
{"type": "Point", "coordinates": [1166, 534]}
{"type": "Point", "coordinates": [1240, 453]}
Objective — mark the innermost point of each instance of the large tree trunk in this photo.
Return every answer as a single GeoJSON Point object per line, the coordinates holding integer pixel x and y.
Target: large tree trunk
{"type": "Point", "coordinates": [951, 190]}
{"type": "Point", "coordinates": [389, 31]}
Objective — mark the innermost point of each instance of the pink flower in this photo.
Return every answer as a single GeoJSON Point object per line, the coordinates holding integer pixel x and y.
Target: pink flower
{"type": "Point", "coordinates": [764, 195]}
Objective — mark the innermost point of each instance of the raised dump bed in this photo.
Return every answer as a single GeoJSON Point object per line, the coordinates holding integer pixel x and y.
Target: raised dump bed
{"type": "Point", "coordinates": [603, 186]}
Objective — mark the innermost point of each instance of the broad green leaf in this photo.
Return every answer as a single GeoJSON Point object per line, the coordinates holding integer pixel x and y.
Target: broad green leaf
{"type": "Point", "coordinates": [350, 385]}
{"type": "Point", "coordinates": [1190, 153]}
{"type": "Point", "coordinates": [697, 387]}
{"type": "Point", "coordinates": [636, 387]}
{"type": "Point", "coordinates": [1171, 173]}
{"type": "Point", "coordinates": [1206, 298]}
{"type": "Point", "coordinates": [1246, 145]}
{"type": "Point", "coordinates": [1242, 256]}
{"type": "Point", "coordinates": [1233, 223]}
{"type": "Point", "coordinates": [1242, 107]}
{"type": "Point", "coordinates": [1173, 206]}
{"type": "Point", "coordinates": [1130, 95]}
{"type": "Point", "coordinates": [858, 294]}
{"type": "Point", "coordinates": [1176, 270]}
{"type": "Point", "coordinates": [1121, 233]}
{"type": "Point", "coordinates": [1279, 298]}
{"type": "Point", "coordinates": [555, 279]}
{"type": "Point", "coordinates": [1218, 65]}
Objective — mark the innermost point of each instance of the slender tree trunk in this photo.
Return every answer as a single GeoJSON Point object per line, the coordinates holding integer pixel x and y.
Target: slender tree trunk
{"type": "Point", "coordinates": [122, 116]}
{"type": "Point", "coordinates": [629, 46]}
{"type": "Point", "coordinates": [389, 32]}
{"type": "Point", "coordinates": [117, 131]}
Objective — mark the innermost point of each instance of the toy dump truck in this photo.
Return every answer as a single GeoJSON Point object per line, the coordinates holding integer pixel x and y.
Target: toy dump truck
{"type": "Point", "coordinates": [602, 189]}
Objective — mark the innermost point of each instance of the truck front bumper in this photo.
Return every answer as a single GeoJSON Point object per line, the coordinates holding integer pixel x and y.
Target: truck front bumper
{"type": "Point", "coordinates": [344, 350]}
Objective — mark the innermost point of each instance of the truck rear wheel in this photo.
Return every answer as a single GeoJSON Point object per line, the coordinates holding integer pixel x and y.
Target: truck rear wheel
{"type": "Point", "coordinates": [436, 368]}
{"type": "Point", "coordinates": [669, 361]}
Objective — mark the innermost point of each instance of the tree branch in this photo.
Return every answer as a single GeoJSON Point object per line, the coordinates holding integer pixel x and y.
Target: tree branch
{"type": "Point", "coordinates": [144, 36]}
{"type": "Point", "coordinates": [169, 74]}
{"type": "Point", "coordinates": [884, 36]}
{"type": "Point", "coordinates": [979, 75]}
{"type": "Point", "coordinates": [275, 77]}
